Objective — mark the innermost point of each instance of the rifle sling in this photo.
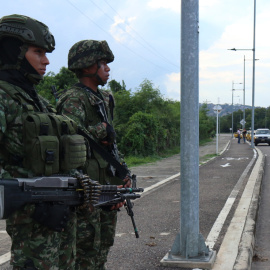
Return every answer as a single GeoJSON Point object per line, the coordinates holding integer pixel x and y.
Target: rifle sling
{"type": "Point", "coordinates": [121, 171]}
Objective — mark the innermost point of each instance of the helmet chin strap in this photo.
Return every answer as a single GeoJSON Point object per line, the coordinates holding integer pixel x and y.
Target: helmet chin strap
{"type": "Point", "coordinates": [100, 81]}
{"type": "Point", "coordinates": [34, 78]}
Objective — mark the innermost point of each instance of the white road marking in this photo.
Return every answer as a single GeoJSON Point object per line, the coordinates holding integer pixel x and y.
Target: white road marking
{"type": "Point", "coordinates": [232, 158]}
{"type": "Point", "coordinates": [149, 189]}
{"type": "Point", "coordinates": [120, 234]}
{"type": "Point", "coordinates": [164, 233]}
{"type": "Point", "coordinates": [4, 258]}
{"type": "Point", "coordinates": [225, 165]}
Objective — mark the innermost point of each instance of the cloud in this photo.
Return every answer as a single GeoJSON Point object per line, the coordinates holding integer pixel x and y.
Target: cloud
{"type": "Point", "coordinates": [172, 5]}
{"type": "Point", "coordinates": [172, 85]}
{"type": "Point", "coordinates": [120, 29]}
{"type": "Point", "coordinates": [220, 66]}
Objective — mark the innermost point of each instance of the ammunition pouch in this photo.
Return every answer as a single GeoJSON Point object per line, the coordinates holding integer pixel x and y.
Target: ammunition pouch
{"type": "Point", "coordinates": [51, 144]}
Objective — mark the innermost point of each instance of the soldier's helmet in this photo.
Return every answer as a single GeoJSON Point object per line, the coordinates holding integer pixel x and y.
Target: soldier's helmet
{"type": "Point", "coordinates": [28, 30]}
{"type": "Point", "coordinates": [85, 53]}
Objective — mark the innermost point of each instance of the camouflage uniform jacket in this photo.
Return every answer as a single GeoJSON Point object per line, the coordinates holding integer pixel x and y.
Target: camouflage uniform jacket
{"type": "Point", "coordinates": [79, 103]}
{"type": "Point", "coordinates": [12, 112]}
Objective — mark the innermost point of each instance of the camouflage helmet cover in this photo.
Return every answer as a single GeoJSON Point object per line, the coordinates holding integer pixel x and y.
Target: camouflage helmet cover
{"type": "Point", "coordinates": [85, 53]}
{"type": "Point", "coordinates": [28, 30]}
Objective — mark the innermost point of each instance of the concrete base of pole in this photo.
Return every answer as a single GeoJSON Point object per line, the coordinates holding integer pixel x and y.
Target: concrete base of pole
{"type": "Point", "coordinates": [203, 262]}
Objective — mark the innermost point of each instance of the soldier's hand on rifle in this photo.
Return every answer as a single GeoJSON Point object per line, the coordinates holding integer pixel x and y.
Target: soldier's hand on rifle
{"type": "Point", "coordinates": [111, 135]}
{"type": "Point", "coordinates": [127, 181]}
{"type": "Point", "coordinates": [118, 205]}
{"type": "Point", "coordinates": [127, 184]}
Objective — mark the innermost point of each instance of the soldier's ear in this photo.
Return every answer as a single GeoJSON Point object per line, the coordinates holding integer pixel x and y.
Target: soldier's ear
{"type": "Point", "coordinates": [90, 70]}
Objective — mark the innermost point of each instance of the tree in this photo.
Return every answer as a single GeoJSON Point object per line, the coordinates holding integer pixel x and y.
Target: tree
{"type": "Point", "coordinates": [206, 123]}
{"type": "Point", "coordinates": [141, 135]}
{"type": "Point", "coordinates": [116, 86]}
{"type": "Point", "coordinates": [63, 80]}
{"type": "Point", "coordinates": [145, 123]}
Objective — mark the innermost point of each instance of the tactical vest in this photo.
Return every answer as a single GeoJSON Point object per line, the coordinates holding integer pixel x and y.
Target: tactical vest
{"type": "Point", "coordinates": [51, 144]}
{"type": "Point", "coordinates": [92, 117]}
{"type": "Point", "coordinates": [97, 167]}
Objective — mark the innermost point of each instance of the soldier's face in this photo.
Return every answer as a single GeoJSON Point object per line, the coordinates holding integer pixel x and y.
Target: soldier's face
{"type": "Point", "coordinates": [37, 58]}
{"type": "Point", "coordinates": [103, 71]}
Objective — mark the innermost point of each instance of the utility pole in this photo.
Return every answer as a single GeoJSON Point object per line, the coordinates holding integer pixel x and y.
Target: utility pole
{"type": "Point", "coordinates": [253, 74]}
{"type": "Point", "coordinates": [233, 83]}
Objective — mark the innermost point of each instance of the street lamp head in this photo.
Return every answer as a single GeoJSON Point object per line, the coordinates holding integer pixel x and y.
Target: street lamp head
{"type": "Point", "coordinates": [234, 49]}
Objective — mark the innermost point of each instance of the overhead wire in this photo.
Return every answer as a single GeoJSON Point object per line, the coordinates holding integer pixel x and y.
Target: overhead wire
{"type": "Point", "coordinates": [80, 11]}
{"type": "Point", "coordinates": [150, 46]}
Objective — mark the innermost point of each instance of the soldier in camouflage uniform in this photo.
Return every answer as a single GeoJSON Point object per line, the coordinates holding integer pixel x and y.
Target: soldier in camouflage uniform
{"type": "Point", "coordinates": [23, 45]}
{"type": "Point", "coordinates": [89, 60]}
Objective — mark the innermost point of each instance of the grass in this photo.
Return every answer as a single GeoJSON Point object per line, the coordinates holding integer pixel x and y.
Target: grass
{"type": "Point", "coordinates": [205, 141]}
{"type": "Point", "coordinates": [207, 157]}
{"type": "Point", "coordinates": [133, 161]}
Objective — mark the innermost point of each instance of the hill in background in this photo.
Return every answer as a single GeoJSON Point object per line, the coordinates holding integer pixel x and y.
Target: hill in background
{"type": "Point", "coordinates": [226, 108]}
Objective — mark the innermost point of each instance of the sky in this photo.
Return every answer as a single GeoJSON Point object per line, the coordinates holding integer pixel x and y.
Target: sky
{"type": "Point", "coordinates": [145, 35]}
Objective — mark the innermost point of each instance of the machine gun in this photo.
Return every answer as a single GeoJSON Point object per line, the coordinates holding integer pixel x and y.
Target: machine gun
{"type": "Point", "coordinates": [54, 196]}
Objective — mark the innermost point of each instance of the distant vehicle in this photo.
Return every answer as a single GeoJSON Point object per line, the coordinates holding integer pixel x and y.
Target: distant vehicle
{"type": "Point", "coordinates": [249, 135]}
{"type": "Point", "coordinates": [262, 135]}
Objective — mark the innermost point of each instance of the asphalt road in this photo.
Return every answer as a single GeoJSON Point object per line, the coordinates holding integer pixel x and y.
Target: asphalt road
{"type": "Point", "coordinates": [157, 213]}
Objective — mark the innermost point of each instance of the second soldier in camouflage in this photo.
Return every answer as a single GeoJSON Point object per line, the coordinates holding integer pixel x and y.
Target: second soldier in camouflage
{"type": "Point", "coordinates": [89, 60]}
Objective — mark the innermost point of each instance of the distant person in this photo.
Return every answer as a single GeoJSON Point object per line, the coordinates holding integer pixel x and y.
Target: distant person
{"type": "Point", "coordinates": [244, 135]}
{"type": "Point", "coordinates": [239, 135]}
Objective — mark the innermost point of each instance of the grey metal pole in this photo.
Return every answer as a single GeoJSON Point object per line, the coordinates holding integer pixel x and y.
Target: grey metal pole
{"type": "Point", "coordinates": [253, 79]}
{"type": "Point", "coordinates": [217, 136]}
{"type": "Point", "coordinates": [244, 94]}
{"type": "Point", "coordinates": [189, 215]}
{"type": "Point", "coordinates": [232, 109]}
{"type": "Point", "coordinates": [189, 246]}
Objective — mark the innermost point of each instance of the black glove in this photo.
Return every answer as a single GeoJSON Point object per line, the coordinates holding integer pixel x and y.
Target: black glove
{"type": "Point", "coordinates": [111, 135]}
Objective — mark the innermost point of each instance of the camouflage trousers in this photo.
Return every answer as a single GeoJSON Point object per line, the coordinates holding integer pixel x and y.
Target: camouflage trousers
{"type": "Point", "coordinates": [39, 247]}
{"type": "Point", "coordinates": [95, 236]}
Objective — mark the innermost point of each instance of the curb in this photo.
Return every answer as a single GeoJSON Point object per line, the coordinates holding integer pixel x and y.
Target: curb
{"type": "Point", "coordinates": [236, 250]}
{"type": "Point", "coordinates": [247, 242]}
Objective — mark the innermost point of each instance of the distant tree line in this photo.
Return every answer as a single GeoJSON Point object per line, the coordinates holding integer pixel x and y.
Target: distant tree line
{"type": "Point", "coordinates": [261, 119]}
{"type": "Point", "coordinates": [146, 123]}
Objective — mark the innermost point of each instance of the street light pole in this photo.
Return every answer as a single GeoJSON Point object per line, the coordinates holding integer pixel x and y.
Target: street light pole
{"type": "Point", "coordinates": [253, 79]}
{"type": "Point", "coordinates": [244, 94]}
{"type": "Point", "coordinates": [253, 75]}
{"type": "Point", "coordinates": [232, 109]}
{"type": "Point", "coordinates": [233, 83]}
